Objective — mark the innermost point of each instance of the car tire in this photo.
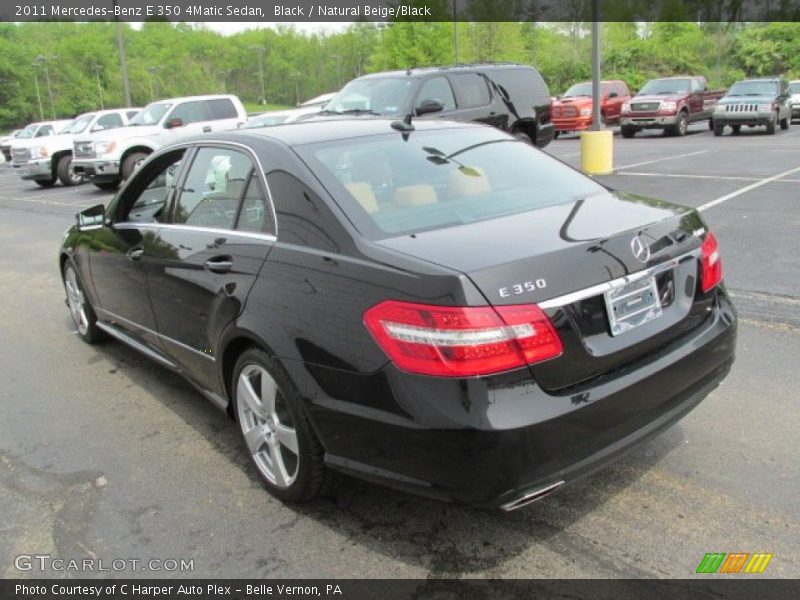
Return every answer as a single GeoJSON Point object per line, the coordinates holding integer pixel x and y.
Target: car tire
{"type": "Point", "coordinates": [711, 124]}
{"type": "Point", "coordinates": [682, 126]}
{"type": "Point", "coordinates": [737, 129]}
{"type": "Point", "coordinates": [131, 162]}
{"type": "Point", "coordinates": [45, 183]}
{"type": "Point", "coordinates": [719, 128]}
{"type": "Point", "coordinates": [771, 126]}
{"type": "Point", "coordinates": [107, 185]}
{"type": "Point", "coordinates": [66, 175]}
{"type": "Point", "coordinates": [523, 137]}
{"type": "Point", "coordinates": [83, 315]}
{"type": "Point", "coordinates": [627, 131]}
{"type": "Point", "coordinates": [556, 134]}
{"type": "Point", "coordinates": [276, 432]}
{"type": "Point", "coordinates": [785, 123]}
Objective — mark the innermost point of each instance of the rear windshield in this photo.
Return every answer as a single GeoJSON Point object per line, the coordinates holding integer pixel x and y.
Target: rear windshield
{"type": "Point", "coordinates": [388, 186]}
{"type": "Point", "coordinates": [381, 96]}
{"type": "Point", "coordinates": [666, 86]}
{"type": "Point", "coordinates": [753, 88]}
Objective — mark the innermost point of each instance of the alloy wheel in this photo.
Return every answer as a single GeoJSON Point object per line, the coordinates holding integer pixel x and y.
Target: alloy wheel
{"type": "Point", "coordinates": [267, 426]}
{"type": "Point", "coordinates": [76, 301]}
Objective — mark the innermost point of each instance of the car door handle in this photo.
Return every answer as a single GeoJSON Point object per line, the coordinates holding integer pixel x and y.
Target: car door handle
{"type": "Point", "coordinates": [207, 129]}
{"type": "Point", "coordinates": [219, 264]}
{"type": "Point", "coordinates": [135, 253]}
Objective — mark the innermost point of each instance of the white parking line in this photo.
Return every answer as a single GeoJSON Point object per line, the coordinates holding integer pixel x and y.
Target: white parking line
{"type": "Point", "coordinates": [746, 189]}
{"type": "Point", "coordinates": [694, 176]}
{"type": "Point", "coordinates": [662, 159]}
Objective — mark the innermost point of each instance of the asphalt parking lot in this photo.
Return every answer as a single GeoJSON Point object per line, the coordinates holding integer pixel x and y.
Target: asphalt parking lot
{"type": "Point", "coordinates": [105, 454]}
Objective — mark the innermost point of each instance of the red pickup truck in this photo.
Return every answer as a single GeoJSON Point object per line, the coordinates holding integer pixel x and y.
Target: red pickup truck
{"type": "Point", "coordinates": [670, 104]}
{"type": "Point", "coordinates": [573, 110]}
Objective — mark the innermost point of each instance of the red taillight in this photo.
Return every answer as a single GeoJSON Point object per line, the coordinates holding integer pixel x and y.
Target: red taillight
{"type": "Point", "coordinates": [453, 341]}
{"type": "Point", "coordinates": [711, 264]}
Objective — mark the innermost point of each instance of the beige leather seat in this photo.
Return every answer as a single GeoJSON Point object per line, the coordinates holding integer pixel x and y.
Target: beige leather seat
{"type": "Point", "coordinates": [415, 195]}
{"type": "Point", "coordinates": [461, 184]}
{"type": "Point", "coordinates": [362, 191]}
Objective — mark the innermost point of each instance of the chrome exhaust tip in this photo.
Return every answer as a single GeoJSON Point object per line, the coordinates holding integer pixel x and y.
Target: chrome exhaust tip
{"type": "Point", "coordinates": [530, 497]}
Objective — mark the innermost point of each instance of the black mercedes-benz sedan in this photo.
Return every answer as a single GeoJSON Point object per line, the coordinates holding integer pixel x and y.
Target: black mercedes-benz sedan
{"type": "Point", "coordinates": [437, 307]}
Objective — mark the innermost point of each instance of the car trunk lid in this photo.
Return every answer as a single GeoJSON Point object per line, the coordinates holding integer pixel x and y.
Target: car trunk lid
{"type": "Point", "coordinates": [564, 258]}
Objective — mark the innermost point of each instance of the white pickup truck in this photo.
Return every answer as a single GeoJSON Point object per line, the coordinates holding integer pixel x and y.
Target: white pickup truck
{"type": "Point", "coordinates": [109, 157]}
{"type": "Point", "coordinates": [48, 158]}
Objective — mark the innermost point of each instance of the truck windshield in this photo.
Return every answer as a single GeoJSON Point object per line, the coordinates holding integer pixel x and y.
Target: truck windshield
{"type": "Point", "coordinates": [380, 96]}
{"type": "Point", "coordinates": [152, 114]}
{"type": "Point", "coordinates": [390, 184]}
{"type": "Point", "coordinates": [753, 88]}
{"type": "Point", "coordinates": [665, 86]}
{"type": "Point", "coordinates": [79, 124]}
{"type": "Point", "coordinates": [581, 89]}
{"type": "Point", "coordinates": [28, 132]}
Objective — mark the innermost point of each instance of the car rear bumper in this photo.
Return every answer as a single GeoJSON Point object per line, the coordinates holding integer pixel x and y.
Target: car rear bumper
{"type": "Point", "coordinates": [494, 441]}
{"type": "Point", "coordinates": [36, 169]}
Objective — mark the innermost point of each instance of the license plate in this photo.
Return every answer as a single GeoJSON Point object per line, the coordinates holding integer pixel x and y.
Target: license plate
{"type": "Point", "coordinates": [632, 305]}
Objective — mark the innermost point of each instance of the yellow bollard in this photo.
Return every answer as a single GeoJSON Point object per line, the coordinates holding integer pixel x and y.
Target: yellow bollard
{"type": "Point", "coordinates": [597, 152]}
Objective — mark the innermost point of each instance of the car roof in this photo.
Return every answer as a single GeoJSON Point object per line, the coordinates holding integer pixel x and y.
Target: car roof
{"type": "Point", "coordinates": [204, 97]}
{"type": "Point", "coordinates": [420, 71]}
{"type": "Point", "coordinates": [326, 129]}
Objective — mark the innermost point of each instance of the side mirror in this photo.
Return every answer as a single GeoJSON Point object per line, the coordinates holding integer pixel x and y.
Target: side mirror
{"type": "Point", "coordinates": [613, 95]}
{"type": "Point", "coordinates": [172, 123]}
{"type": "Point", "coordinates": [93, 217]}
{"type": "Point", "coordinates": [429, 106]}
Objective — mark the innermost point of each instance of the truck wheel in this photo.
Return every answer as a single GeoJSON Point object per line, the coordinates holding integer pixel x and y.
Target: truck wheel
{"type": "Point", "coordinates": [107, 185]}
{"type": "Point", "coordinates": [131, 162]}
{"type": "Point", "coordinates": [719, 128]}
{"type": "Point", "coordinates": [771, 126]}
{"type": "Point", "coordinates": [627, 131]}
{"type": "Point", "coordinates": [785, 123]}
{"type": "Point", "coordinates": [66, 174]}
{"type": "Point", "coordinates": [45, 183]}
{"type": "Point", "coordinates": [680, 128]}
{"type": "Point", "coordinates": [736, 129]}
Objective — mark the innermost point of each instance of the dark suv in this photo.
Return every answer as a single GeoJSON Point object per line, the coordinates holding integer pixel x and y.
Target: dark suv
{"type": "Point", "coordinates": [511, 97]}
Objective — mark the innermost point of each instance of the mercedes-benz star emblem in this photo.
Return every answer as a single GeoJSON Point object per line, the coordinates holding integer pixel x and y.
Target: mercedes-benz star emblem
{"type": "Point", "coordinates": [640, 249]}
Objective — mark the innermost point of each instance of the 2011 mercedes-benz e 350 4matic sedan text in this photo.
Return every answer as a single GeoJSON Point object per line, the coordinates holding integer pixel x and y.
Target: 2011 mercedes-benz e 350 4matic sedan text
{"type": "Point", "coordinates": [443, 309]}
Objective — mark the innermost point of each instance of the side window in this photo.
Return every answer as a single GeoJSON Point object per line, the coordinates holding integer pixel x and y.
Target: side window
{"type": "Point", "coordinates": [189, 112]}
{"type": "Point", "coordinates": [131, 113]}
{"type": "Point", "coordinates": [437, 88]}
{"type": "Point", "coordinates": [151, 189]}
{"type": "Point", "coordinates": [222, 108]}
{"type": "Point", "coordinates": [471, 90]}
{"type": "Point", "coordinates": [109, 121]}
{"type": "Point", "coordinates": [622, 89]}
{"type": "Point", "coordinates": [44, 130]}
{"type": "Point", "coordinates": [213, 189]}
{"type": "Point", "coordinates": [255, 214]}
